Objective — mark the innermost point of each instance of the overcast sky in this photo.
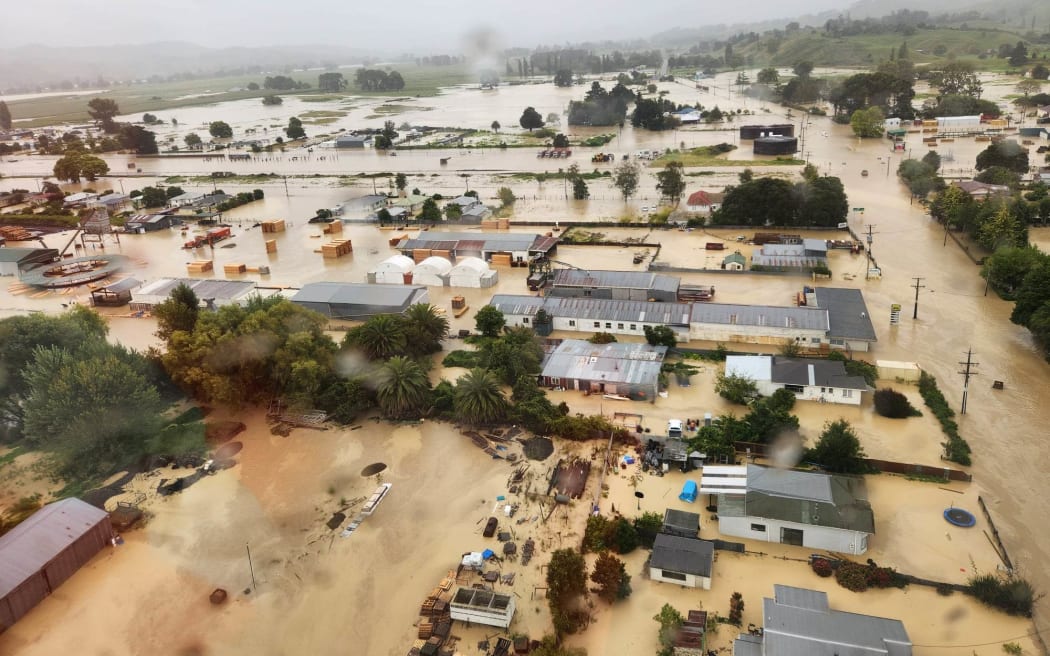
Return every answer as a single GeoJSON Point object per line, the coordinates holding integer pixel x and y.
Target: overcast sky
{"type": "Point", "coordinates": [405, 26]}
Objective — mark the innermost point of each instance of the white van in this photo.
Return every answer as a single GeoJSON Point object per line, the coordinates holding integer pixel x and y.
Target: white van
{"type": "Point", "coordinates": [674, 428]}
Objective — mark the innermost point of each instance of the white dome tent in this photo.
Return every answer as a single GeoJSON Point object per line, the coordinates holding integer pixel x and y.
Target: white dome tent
{"type": "Point", "coordinates": [392, 271]}
{"type": "Point", "coordinates": [473, 272]}
{"type": "Point", "coordinates": [432, 271]}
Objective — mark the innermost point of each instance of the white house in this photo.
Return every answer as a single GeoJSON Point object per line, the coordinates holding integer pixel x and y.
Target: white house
{"type": "Point", "coordinates": [473, 272]}
{"type": "Point", "coordinates": [684, 561]}
{"type": "Point", "coordinates": [392, 270]}
{"type": "Point", "coordinates": [810, 379]}
{"type": "Point", "coordinates": [703, 202]}
{"type": "Point", "coordinates": [805, 509]}
{"type": "Point", "coordinates": [432, 271]}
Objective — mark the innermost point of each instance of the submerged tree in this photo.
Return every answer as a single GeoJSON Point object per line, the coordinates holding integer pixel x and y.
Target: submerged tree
{"type": "Point", "coordinates": [478, 399]}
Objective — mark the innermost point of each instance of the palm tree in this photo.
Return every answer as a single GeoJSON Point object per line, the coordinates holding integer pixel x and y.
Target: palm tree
{"type": "Point", "coordinates": [478, 399]}
{"type": "Point", "coordinates": [381, 337]}
{"type": "Point", "coordinates": [403, 388]}
{"type": "Point", "coordinates": [425, 328]}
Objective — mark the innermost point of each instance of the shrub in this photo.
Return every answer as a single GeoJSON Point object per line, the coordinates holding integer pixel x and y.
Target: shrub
{"type": "Point", "coordinates": [736, 609]}
{"type": "Point", "coordinates": [602, 338]}
{"type": "Point", "coordinates": [468, 359]}
{"type": "Point", "coordinates": [1010, 594]}
{"type": "Point", "coordinates": [891, 403]}
{"type": "Point", "coordinates": [944, 589]}
{"type": "Point", "coordinates": [852, 576]}
{"type": "Point", "coordinates": [822, 567]}
{"type": "Point", "coordinates": [955, 449]}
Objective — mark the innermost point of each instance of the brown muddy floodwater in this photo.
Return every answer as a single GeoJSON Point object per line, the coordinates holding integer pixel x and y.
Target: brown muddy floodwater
{"type": "Point", "coordinates": [1002, 426]}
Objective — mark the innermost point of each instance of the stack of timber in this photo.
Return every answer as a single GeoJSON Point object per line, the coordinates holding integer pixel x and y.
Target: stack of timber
{"type": "Point", "coordinates": [420, 254]}
{"type": "Point", "coordinates": [234, 269]}
{"type": "Point", "coordinates": [334, 228]}
{"type": "Point", "coordinates": [273, 225]}
{"type": "Point", "coordinates": [500, 259]}
{"type": "Point", "coordinates": [200, 266]}
{"type": "Point", "coordinates": [335, 249]}
{"type": "Point", "coordinates": [14, 233]}
{"type": "Point", "coordinates": [394, 241]}
{"type": "Point", "coordinates": [271, 245]}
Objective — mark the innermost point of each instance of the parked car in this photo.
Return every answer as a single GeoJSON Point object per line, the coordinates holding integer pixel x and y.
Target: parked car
{"type": "Point", "coordinates": [490, 527]}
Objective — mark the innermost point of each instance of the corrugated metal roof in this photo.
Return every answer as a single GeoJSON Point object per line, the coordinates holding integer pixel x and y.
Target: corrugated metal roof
{"type": "Point", "coordinates": [756, 367]}
{"type": "Point", "coordinates": [122, 286]}
{"type": "Point", "coordinates": [682, 519]}
{"type": "Point", "coordinates": [598, 309]}
{"type": "Point", "coordinates": [760, 315]}
{"type": "Point", "coordinates": [787, 595]}
{"type": "Point", "coordinates": [577, 359]}
{"type": "Point", "coordinates": [792, 630]}
{"type": "Point", "coordinates": [31, 545]}
{"type": "Point", "coordinates": [813, 372]}
{"type": "Point", "coordinates": [685, 555]}
{"type": "Point", "coordinates": [812, 498]}
{"type": "Point", "coordinates": [615, 279]}
{"type": "Point", "coordinates": [207, 288]}
{"type": "Point", "coordinates": [19, 254]}
{"type": "Point", "coordinates": [396, 297]}
{"type": "Point", "coordinates": [475, 241]}
{"type": "Point", "coordinates": [747, 645]}
{"type": "Point", "coordinates": [848, 316]}
{"type": "Point", "coordinates": [811, 486]}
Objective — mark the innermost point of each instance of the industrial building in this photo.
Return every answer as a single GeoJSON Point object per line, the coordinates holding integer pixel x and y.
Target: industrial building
{"type": "Point", "coordinates": [358, 301]}
{"type": "Point", "coordinates": [623, 369]}
{"type": "Point", "coordinates": [800, 508]}
{"type": "Point", "coordinates": [619, 285]}
{"type": "Point", "coordinates": [775, 146]}
{"type": "Point", "coordinates": [518, 246]}
{"type": "Point", "coordinates": [800, 621]}
{"type": "Point", "coordinates": [809, 254]}
{"type": "Point", "coordinates": [141, 223]}
{"type": "Point", "coordinates": [14, 261]}
{"type": "Point", "coordinates": [592, 315]}
{"type": "Point", "coordinates": [685, 561]}
{"type": "Point", "coordinates": [44, 551]}
{"type": "Point", "coordinates": [433, 271]}
{"type": "Point", "coordinates": [759, 131]}
{"type": "Point", "coordinates": [115, 294]}
{"type": "Point", "coordinates": [472, 272]}
{"type": "Point", "coordinates": [394, 270]}
{"type": "Point", "coordinates": [758, 324]}
{"type": "Point", "coordinates": [809, 379]}
{"type": "Point", "coordinates": [849, 322]}
{"type": "Point", "coordinates": [212, 293]}
{"type": "Point", "coordinates": [482, 607]}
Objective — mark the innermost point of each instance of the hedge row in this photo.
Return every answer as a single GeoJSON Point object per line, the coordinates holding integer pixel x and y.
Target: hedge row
{"type": "Point", "coordinates": [955, 449]}
{"type": "Point", "coordinates": [49, 220]}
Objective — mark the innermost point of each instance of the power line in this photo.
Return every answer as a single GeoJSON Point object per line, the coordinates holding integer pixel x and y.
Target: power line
{"type": "Point", "coordinates": [966, 373]}
{"type": "Point", "coordinates": [984, 644]}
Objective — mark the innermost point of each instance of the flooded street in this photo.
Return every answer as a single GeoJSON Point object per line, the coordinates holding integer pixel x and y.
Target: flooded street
{"type": "Point", "coordinates": [1010, 471]}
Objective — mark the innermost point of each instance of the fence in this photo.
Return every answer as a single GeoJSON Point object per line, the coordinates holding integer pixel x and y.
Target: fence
{"type": "Point", "coordinates": [758, 450]}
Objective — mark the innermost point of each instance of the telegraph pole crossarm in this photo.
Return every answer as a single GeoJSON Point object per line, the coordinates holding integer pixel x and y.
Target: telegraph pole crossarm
{"type": "Point", "coordinates": [966, 373]}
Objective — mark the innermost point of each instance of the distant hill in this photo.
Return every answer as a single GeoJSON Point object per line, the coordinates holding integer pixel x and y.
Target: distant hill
{"type": "Point", "coordinates": [33, 65]}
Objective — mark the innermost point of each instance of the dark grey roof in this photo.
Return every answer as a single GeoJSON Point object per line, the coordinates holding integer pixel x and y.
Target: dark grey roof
{"type": "Point", "coordinates": [684, 555]}
{"type": "Point", "coordinates": [813, 372]}
{"type": "Point", "coordinates": [798, 622]}
{"type": "Point", "coordinates": [619, 362]}
{"type": "Point", "coordinates": [19, 254]}
{"type": "Point", "coordinates": [747, 645]}
{"type": "Point", "coordinates": [122, 285]}
{"type": "Point", "coordinates": [204, 289]}
{"type": "Point", "coordinates": [847, 313]}
{"type": "Point", "coordinates": [813, 498]}
{"type": "Point", "coordinates": [682, 519]}
{"type": "Point", "coordinates": [759, 315]}
{"type": "Point", "coordinates": [598, 309]}
{"type": "Point", "coordinates": [616, 279]}
{"type": "Point", "coordinates": [396, 297]}
{"type": "Point", "coordinates": [512, 241]}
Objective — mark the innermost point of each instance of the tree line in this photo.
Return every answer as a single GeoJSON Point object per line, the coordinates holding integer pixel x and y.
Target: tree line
{"type": "Point", "coordinates": [815, 201]}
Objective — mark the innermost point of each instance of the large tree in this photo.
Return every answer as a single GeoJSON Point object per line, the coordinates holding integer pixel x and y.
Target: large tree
{"type": "Point", "coordinates": [957, 78]}
{"type": "Point", "coordinates": [104, 110]}
{"type": "Point", "coordinates": [867, 123]}
{"type": "Point", "coordinates": [489, 321]}
{"type": "Point", "coordinates": [478, 400]}
{"type": "Point", "coordinates": [75, 165]}
{"type": "Point", "coordinates": [671, 181]}
{"type": "Point", "coordinates": [1033, 293]}
{"type": "Point", "coordinates": [1008, 154]}
{"type": "Point", "coordinates": [563, 78]}
{"type": "Point", "coordinates": [424, 329]}
{"type": "Point", "coordinates": [138, 139]}
{"type": "Point", "coordinates": [295, 128]}
{"type": "Point", "coordinates": [403, 391]}
{"type": "Point", "coordinates": [838, 449]}
{"type": "Point", "coordinates": [612, 578]}
{"type": "Point", "coordinates": [220, 130]}
{"type": "Point", "coordinates": [331, 82]}
{"type": "Point", "coordinates": [625, 178]}
{"type": "Point", "coordinates": [177, 312]}
{"type": "Point", "coordinates": [530, 119]}
{"type": "Point", "coordinates": [5, 116]}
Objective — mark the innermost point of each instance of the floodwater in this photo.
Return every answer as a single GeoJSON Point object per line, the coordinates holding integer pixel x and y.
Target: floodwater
{"type": "Point", "coordinates": [954, 313]}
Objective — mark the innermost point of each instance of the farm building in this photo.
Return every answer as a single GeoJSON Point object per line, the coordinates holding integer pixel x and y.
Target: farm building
{"type": "Point", "coordinates": [809, 379]}
{"type": "Point", "coordinates": [624, 369]}
{"type": "Point", "coordinates": [475, 214]}
{"type": "Point", "coordinates": [432, 271]}
{"type": "Point", "coordinates": [681, 523]}
{"type": "Point", "coordinates": [149, 223]}
{"type": "Point", "coordinates": [482, 607]}
{"type": "Point", "coordinates": [394, 270]}
{"type": "Point", "coordinates": [362, 205]}
{"type": "Point", "coordinates": [849, 323]}
{"type": "Point", "coordinates": [14, 261]}
{"type": "Point", "coordinates": [45, 550]}
{"type": "Point", "coordinates": [618, 285]}
{"type": "Point", "coordinates": [775, 145]}
{"type": "Point", "coordinates": [519, 246]}
{"type": "Point", "coordinates": [757, 324]}
{"type": "Point", "coordinates": [704, 201]}
{"type": "Point", "coordinates": [735, 261]}
{"type": "Point", "coordinates": [358, 301]}
{"type": "Point", "coordinates": [472, 272]}
{"type": "Point", "coordinates": [116, 294]}
{"type": "Point", "coordinates": [981, 190]}
{"type": "Point", "coordinates": [210, 292]}
{"type": "Point", "coordinates": [959, 123]}
{"type": "Point", "coordinates": [591, 315]}
{"type": "Point", "coordinates": [185, 199]}
{"type": "Point", "coordinates": [760, 131]}
{"type": "Point", "coordinates": [800, 621]}
{"type": "Point", "coordinates": [464, 202]}
{"type": "Point", "coordinates": [800, 508]}
{"type": "Point", "coordinates": [353, 141]}
{"type": "Point", "coordinates": [806, 255]}
{"type": "Point", "coordinates": [685, 561]}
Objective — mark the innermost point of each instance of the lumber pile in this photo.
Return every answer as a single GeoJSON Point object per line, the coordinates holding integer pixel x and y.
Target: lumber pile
{"type": "Point", "coordinates": [333, 228]}
{"type": "Point", "coordinates": [15, 233]}
{"type": "Point", "coordinates": [420, 254]}
{"type": "Point", "coordinates": [394, 241]}
{"type": "Point", "coordinates": [271, 245]}
{"type": "Point", "coordinates": [273, 225]}
{"type": "Point", "coordinates": [335, 249]}
{"type": "Point", "coordinates": [234, 269]}
{"type": "Point", "coordinates": [500, 259]}
{"type": "Point", "coordinates": [200, 266]}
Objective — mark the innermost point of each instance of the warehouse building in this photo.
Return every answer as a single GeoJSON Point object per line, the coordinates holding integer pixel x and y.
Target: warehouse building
{"type": "Point", "coordinates": [473, 272]}
{"type": "Point", "coordinates": [44, 551]}
{"type": "Point", "coordinates": [619, 285]}
{"type": "Point", "coordinates": [775, 145]}
{"type": "Point", "coordinates": [358, 301]}
{"type": "Point", "coordinates": [518, 246]}
{"type": "Point", "coordinates": [849, 322]}
{"type": "Point", "coordinates": [14, 261]}
{"type": "Point", "coordinates": [212, 293]}
{"type": "Point", "coordinates": [623, 369]}
{"type": "Point", "coordinates": [592, 315]}
{"type": "Point", "coordinates": [758, 324]}
{"type": "Point", "coordinates": [394, 270]}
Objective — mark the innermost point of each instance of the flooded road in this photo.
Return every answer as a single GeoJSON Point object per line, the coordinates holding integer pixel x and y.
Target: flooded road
{"type": "Point", "coordinates": [1002, 427]}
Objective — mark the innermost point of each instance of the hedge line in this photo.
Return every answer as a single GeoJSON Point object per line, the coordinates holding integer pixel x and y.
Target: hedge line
{"type": "Point", "coordinates": [50, 220]}
{"type": "Point", "coordinates": [955, 449]}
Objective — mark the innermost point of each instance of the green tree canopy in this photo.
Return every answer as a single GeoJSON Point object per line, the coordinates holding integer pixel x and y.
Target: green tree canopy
{"type": "Point", "coordinates": [295, 129]}
{"type": "Point", "coordinates": [671, 181]}
{"type": "Point", "coordinates": [5, 116]}
{"type": "Point", "coordinates": [489, 321]}
{"type": "Point", "coordinates": [563, 78]}
{"type": "Point", "coordinates": [478, 400]}
{"type": "Point", "coordinates": [838, 449]}
{"type": "Point", "coordinates": [379, 338]}
{"type": "Point", "coordinates": [403, 391]}
{"type": "Point", "coordinates": [625, 178]}
{"type": "Point", "coordinates": [660, 336]}
{"type": "Point", "coordinates": [1008, 154]}
{"type": "Point", "coordinates": [103, 111]}
{"type": "Point", "coordinates": [531, 119]}
{"type": "Point", "coordinates": [75, 165]}
{"type": "Point", "coordinates": [177, 312]}
{"type": "Point", "coordinates": [868, 123]}
{"type": "Point", "coordinates": [611, 576]}
{"type": "Point", "coordinates": [220, 130]}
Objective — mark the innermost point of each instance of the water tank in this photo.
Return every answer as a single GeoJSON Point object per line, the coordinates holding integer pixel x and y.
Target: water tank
{"type": "Point", "coordinates": [776, 145]}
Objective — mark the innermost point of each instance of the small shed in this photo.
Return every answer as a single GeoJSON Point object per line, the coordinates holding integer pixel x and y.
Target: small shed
{"type": "Point", "coordinates": [688, 492]}
{"type": "Point", "coordinates": [115, 295]}
{"type": "Point", "coordinates": [685, 561]}
{"type": "Point", "coordinates": [433, 271]}
{"type": "Point", "coordinates": [392, 271]}
{"type": "Point", "coordinates": [735, 261]}
{"type": "Point", "coordinates": [45, 550]}
{"type": "Point", "coordinates": [473, 272]}
{"type": "Point", "coordinates": [681, 523]}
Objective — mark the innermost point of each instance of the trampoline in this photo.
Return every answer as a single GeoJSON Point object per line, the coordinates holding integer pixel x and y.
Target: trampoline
{"type": "Point", "coordinates": [959, 517]}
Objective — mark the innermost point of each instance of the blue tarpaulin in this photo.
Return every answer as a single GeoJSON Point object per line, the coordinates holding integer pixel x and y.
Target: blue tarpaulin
{"type": "Point", "coordinates": [688, 492]}
{"type": "Point", "coordinates": [489, 553]}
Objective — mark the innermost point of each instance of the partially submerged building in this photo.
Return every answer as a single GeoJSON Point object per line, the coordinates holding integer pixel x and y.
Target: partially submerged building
{"type": "Point", "coordinates": [623, 369]}
{"type": "Point", "coordinates": [800, 621]}
{"type": "Point", "coordinates": [685, 561]}
{"type": "Point", "coordinates": [211, 293]}
{"type": "Point", "coordinates": [482, 607]}
{"type": "Point", "coordinates": [811, 253]}
{"type": "Point", "coordinates": [141, 223]}
{"type": "Point", "coordinates": [15, 261]}
{"type": "Point", "coordinates": [849, 323]}
{"type": "Point", "coordinates": [759, 131]}
{"type": "Point", "coordinates": [45, 550]}
{"type": "Point", "coordinates": [619, 285]}
{"type": "Point", "coordinates": [473, 272]}
{"type": "Point", "coordinates": [115, 294]}
{"type": "Point", "coordinates": [800, 508]}
{"type": "Point", "coordinates": [809, 379]}
{"type": "Point", "coordinates": [432, 271]}
{"type": "Point", "coordinates": [358, 301]}
{"type": "Point", "coordinates": [518, 246]}
{"type": "Point", "coordinates": [592, 315]}
{"type": "Point", "coordinates": [681, 523]}
{"type": "Point", "coordinates": [394, 270]}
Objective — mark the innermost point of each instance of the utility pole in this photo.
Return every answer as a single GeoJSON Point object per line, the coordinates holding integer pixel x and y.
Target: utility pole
{"type": "Point", "coordinates": [250, 568]}
{"type": "Point", "coordinates": [286, 186]}
{"type": "Point", "coordinates": [871, 259]}
{"type": "Point", "coordinates": [917, 286]}
{"type": "Point", "coordinates": [966, 373]}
